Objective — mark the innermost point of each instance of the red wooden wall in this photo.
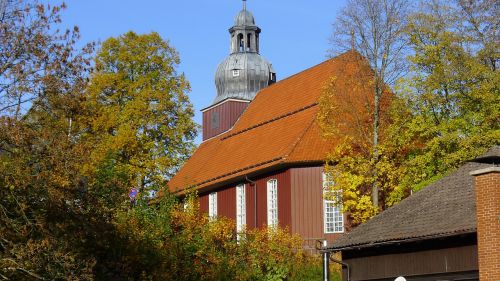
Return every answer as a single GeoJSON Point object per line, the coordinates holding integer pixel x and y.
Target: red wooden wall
{"type": "Point", "coordinates": [226, 203]}
{"type": "Point", "coordinates": [204, 203]}
{"type": "Point", "coordinates": [226, 200]}
{"type": "Point", "coordinates": [228, 113]}
{"type": "Point", "coordinates": [300, 202]}
{"type": "Point", "coordinates": [307, 203]}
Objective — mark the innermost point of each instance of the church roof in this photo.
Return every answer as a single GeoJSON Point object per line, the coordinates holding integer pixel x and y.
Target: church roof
{"type": "Point", "coordinates": [279, 128]}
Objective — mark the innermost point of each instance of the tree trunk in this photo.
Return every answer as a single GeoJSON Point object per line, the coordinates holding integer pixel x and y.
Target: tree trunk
{"type": "Point", "coordinates": [376, 125]}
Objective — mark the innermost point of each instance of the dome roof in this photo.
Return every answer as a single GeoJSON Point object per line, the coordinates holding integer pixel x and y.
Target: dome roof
{"type": "Point", "coordinates": [242, 75]}
{"type": "Point", "coordinates": [244, 18]}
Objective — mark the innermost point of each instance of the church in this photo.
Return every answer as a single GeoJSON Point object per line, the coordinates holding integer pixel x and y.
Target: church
{"type": "Point", "coordinates": [262, 156]}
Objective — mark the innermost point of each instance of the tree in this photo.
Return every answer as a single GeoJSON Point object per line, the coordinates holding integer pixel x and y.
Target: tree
{"type": "Point", "coordinates": [61, 187]}
{"type": "Point", "coordinates": [446, 110]}
{"type": "Point", "coordinates": [31, 53]}
{"type": "Point", "coordinates": [42, 77]}
{"type": "Point", "coordinates": [74, 144]}
{"type": "Point", "coordinates": [346, 119]}
{"type": "Point", "coordinates": [450, 107]}
{"type": "Point", "coordinates": [138, 109]}
{"type": "Point", "coordinates": [375, 30]}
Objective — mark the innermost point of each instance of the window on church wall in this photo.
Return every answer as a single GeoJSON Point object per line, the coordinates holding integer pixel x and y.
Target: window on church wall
{"type": "Point", "coordinates": [272, 203]}
{"type": "Point", "coordinates": [241, 217]}
{"type": "Point", "coordinates": [332, 207]}
{"type": "Point", "coordinates": [212, 205]}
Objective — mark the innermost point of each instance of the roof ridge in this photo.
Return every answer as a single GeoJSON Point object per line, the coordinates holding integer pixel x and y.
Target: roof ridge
{"type": "Point", "coordinates": [269, 121]}
{"type": "Point", "coordinates": [307, 69]}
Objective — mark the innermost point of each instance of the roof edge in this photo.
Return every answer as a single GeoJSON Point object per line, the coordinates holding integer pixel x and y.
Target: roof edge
{"type": "Point", "coordinates": [277, 166]}
{"type": "Point", "coordinates": [328, 60]}
{"type": "Point", "coordinates": [179, 191]}
{"type": "Point", "coordinates": [405, 240]}
{"type": "Point", "coordinates": [224, 101]}
{"type": "Point", "coordinates": [479, 172]}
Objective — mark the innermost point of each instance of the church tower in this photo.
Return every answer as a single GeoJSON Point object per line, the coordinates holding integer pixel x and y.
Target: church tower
{"type": "Point", "coordinates": [238, 77]}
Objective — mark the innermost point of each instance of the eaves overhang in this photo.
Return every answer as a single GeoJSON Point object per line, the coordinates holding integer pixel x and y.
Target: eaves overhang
{"type": "Point", "coordinates": [393, 242]}
{"type": "Point", "coordinates": [241, 176]}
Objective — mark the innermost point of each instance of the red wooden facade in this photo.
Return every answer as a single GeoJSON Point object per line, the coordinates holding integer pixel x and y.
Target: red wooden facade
{"type": "Point", "coordinates": [221, 117]}
{"type": "Point", "coordinates": [307, 203]}
{"type": "Point", "coordinates": [300, 201]}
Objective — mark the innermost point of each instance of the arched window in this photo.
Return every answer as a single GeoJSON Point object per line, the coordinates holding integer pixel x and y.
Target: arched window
{"type": "Point", "coordinates": [249, 38]}
{"type": "Point", "coordinates": [241, 43]}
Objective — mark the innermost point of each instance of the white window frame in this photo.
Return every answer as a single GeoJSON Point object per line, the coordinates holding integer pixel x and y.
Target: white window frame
{"type": "Point", "coordinates": [212, 205]}
{"type": "Point", "coordinates": [272, 202]}
{"type": "Point", "coordinates": [333, 218]}
{"type": "Point", "coordinates": [241, 214]}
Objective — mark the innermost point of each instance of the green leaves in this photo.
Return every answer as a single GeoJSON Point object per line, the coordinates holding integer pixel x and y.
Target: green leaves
{"type": "Point", "coordinates": [138, 108]}
{"type": "Point", "coordinates": [453, 92]}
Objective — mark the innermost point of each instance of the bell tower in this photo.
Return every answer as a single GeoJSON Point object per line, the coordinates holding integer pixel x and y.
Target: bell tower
{"type": "Point", "coordinates": [244, 34]}
{"type": "Point", "coordinates": [238, 77]}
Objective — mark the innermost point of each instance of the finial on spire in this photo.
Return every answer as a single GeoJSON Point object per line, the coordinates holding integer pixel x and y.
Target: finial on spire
{"type": "Point", "coordinates": [244, 5]}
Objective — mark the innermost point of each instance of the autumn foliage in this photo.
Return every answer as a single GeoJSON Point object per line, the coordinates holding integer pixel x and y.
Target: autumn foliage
{"type": "Point", "coordinates": [78, 130]}
{"type": "Point", "coordinates": [443, 112]}
{"type": "Point", "coordinates": [180, 243]}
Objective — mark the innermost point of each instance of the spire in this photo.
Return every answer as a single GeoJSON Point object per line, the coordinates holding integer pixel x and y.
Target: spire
{"type": "Point", "coordinates": [244, 5]}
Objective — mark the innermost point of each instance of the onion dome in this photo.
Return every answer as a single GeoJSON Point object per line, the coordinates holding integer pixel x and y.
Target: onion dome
{"type": "Point", "coordinates": [244, 18]}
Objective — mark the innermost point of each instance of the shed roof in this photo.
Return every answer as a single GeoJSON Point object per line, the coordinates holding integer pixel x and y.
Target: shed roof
{"type": "Point", "coordinates": [444, 208]}
{"type": "Point", "coordinates": [278, 128]}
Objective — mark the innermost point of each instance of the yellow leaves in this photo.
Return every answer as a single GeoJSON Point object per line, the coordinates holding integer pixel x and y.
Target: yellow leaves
{"type": "Point", "coordinates": [138, 109]}
{"type": "Point", "coordinates": [193, 248]}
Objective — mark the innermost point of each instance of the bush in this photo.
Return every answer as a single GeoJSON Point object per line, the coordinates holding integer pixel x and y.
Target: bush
{"type": "Point", "coordinates": [170, 242]}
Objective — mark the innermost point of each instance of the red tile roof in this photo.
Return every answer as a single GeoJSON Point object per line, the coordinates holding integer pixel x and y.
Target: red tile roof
{"type": "Point", "coordinates": [278, 128]}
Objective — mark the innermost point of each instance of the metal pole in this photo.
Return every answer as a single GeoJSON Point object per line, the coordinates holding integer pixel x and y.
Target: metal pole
{"type": "Point", "coordinates": [326, 263]}
{"type": "Point", "coordinates": [343, 265]}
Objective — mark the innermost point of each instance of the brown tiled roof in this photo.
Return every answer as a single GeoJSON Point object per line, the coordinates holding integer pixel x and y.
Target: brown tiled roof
{"type": "Point", "coordinates": [278, 128]}
{"type": "Point", "coordinates": [444, 208]}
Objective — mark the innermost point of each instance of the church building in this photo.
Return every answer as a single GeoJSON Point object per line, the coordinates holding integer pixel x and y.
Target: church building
{"type": "Point", "coordinates": [262, 156]}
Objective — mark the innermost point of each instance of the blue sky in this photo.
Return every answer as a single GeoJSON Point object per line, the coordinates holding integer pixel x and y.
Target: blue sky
{"type": "Point", "coordinates": [294, 33]}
